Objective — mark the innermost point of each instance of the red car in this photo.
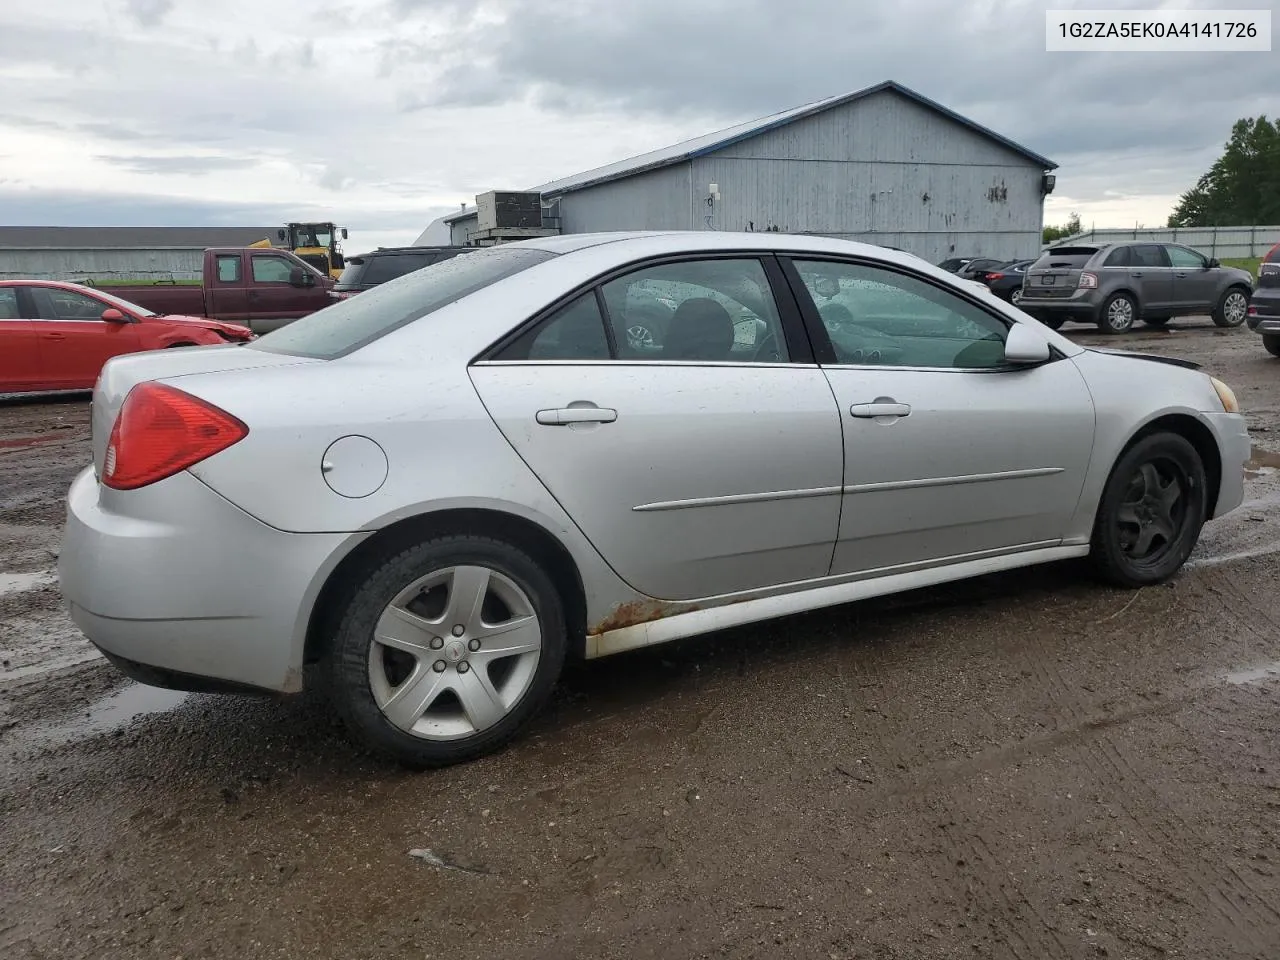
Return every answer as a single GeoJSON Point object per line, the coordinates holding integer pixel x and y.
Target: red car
{"type": "Point", "coordinates": [57, 336]}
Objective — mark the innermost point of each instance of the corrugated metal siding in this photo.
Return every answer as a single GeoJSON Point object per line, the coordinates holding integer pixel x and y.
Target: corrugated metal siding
{"type": "Point", "coordinates": [459, 231]}
{"type": "Point", "coordinates": [39, 264]}
{"type": "Point", "coordinates": [883, 127]}
{"type": "Point", "coordinates": [648, 201]}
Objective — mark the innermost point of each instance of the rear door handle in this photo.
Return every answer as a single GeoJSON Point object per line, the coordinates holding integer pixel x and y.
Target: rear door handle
{"type": "Point", "coordinates": [1135, 273]}
{"type": "Point", "coordinates": [55, 336]}
{"type": "Point", "coordinates": [563, 416]}
{"type": "Point", "coordinates": [1180, 274]}
{"type": "Point", "coordinates": [869, 411]}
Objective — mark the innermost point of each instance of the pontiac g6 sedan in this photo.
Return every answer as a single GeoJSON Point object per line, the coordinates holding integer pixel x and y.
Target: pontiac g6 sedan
{"type": "Point", "coordinates": [437, 490]}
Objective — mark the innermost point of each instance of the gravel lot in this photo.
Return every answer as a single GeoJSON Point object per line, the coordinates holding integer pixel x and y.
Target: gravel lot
{"type": "Point", "coordinates": [1026, 766]}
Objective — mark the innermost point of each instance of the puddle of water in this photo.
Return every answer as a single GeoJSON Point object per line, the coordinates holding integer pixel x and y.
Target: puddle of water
{"type": "Point", "coordinates": [1256, 674]}
{"type": "Point", "coordinates": [108, 715]}
{"type": "Point", "coordinates": [1261, 462]}
{"type": "Point", "coordinates": [18, 582]}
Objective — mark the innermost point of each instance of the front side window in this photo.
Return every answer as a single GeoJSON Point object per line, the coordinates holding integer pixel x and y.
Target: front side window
{"type": "Point", "coordinates": [880, 317]}
{"type": "Point", "coordinates": [9, 304]}
{"type": "Point", "coordinates": [271, 270]}
{"type": "Point", "coordinates": [229, 269]}
{"type": "Point", "coordinates": [53, 303]}
{"type": "Point", "coordinates": [1185, 259]}
{"type": "Point", "coordinates": [717, 311]}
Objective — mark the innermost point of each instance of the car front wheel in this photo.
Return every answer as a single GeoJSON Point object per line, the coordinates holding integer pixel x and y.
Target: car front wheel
{"type": "Point", "coordinates": [1151, 511]}
{"type": "Point", "coordinates": [1232, 308]}
{"type": "Point", "coordinates": [445, 650]}
{"type": "Point", "coordinates": [1118, 314]}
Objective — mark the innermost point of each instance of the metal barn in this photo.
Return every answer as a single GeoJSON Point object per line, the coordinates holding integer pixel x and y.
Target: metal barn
{"type": "Point", "coordinates": [885, 165]}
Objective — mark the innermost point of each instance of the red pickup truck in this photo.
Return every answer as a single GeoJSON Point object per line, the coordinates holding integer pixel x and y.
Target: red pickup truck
{"type": "Point", "coordinates": [256, 287]}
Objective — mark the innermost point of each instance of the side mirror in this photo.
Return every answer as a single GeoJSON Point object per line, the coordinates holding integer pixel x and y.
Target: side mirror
{"type": "Point", "coordinates": [301, 278]}
{"type": "Point", "coordinates": [112, 315]}
{"type": "Point", "coordinates": [1214, 262]}
{"type": "Point", "coordinates": [1025, 345]}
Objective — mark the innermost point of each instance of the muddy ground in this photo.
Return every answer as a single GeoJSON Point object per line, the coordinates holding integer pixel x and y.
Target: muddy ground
{"type": "Point", "coordinates": [1027, 766]}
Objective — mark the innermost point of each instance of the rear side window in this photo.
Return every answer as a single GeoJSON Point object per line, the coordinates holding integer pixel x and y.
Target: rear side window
{"type": "Point", "coordinates": [1149, 255]}
{"type": "Point", "coordinates": [350, 324]}
{"type": "Point", "coordinates": [229, 269]}
{"type": "Point", "coordinates": [1119, 257]}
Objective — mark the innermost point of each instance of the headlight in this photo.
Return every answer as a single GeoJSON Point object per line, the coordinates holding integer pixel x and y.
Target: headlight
{"type": "Point", "coordinates": [1226, 395]}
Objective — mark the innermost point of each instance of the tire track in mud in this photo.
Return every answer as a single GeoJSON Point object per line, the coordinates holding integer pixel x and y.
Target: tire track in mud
{"type": "Point", "coordinates": [1241, 909]}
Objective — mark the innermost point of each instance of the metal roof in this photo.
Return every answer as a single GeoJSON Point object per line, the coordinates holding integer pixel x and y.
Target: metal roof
{"type": "Point", "coordinates": [132, 238]}
{"type": "Point", "coordinates": [711, 142]}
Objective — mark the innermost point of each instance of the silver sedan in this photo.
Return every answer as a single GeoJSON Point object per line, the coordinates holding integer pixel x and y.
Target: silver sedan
{"type": "Point", "coordinates": [437, 490]}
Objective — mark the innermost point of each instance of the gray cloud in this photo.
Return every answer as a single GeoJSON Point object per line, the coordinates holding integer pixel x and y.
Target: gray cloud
{"type": "Point", "coordinates": [149, 13]}
{"type": "Point", "coordinates": [189, 165]}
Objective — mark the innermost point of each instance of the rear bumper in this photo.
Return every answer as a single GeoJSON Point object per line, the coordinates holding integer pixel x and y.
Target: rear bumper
{"type": "Point", "coordinates": [1267, 304]}
{"type": "Point", "coordinates": [1235, 446]}
{"type": "Point", "coordinates": [1066, 308]}
{"type": "Point", "coordinates": [173, 582]}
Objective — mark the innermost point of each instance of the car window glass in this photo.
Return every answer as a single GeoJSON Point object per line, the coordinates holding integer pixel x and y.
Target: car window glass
{"type": "Point", "coordinates": [271, 270]}
{"type": "Point", "coordinates": [1119, 257]}
{"type": "Point", "coordinates": [878, 316]}
{"type": "Point", "coordinates": [696, 310]}
{"type": "Point", "coordinates": [53, 303]}
{"type": "Point", "coordinates": [229, 269]}
{"type": "Point", "coordinates": [9, 303]}
{"type": "Point", "coordinates": [574, 332]}
{"type": "Point", "coordinates": [1185, 259]}
{"type": "Point", "coordinates": [388, 267]}
{"type": "Point", "coordinates": [1148, 255]}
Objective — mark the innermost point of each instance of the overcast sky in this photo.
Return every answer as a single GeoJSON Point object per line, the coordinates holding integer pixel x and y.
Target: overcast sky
{"type": "Point", "coordinates": [382, 114]}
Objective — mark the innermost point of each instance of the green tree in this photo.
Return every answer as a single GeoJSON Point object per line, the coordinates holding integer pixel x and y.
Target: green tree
{"type": "Point", "coordinates": [1243, 185]}
{"type": "Point", "coordinates": [1070, 228]}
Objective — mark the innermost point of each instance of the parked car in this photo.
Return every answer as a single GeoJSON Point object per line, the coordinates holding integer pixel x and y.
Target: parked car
{"type": "Point", "coordinates": [1264, 307]}
{"type": "Point", "coordinates": [367, 270]}
{"type": "Point", "coordinates": [56, 335]}
{"type": "Point", "coordinates": [257, 287]}
{"type": "Point", "coordinates": [974, 269]}
{"type": "Point", "coordinates": [436, 490]}
{"type": "Point", "coordinates": [1114, 284]}
{"type": "Point", "coordinates": [1005, 281]}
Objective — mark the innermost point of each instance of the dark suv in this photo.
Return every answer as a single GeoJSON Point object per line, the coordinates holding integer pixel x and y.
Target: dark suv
{"type": "Point", "coordinates": [367, 270]}
{"type": "Point", "coordinates": [1264, 310]}
{"type": "Point", "coordinates": [1114, 284]}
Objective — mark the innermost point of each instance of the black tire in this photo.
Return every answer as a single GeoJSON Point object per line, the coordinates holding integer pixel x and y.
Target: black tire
{"type": "Point", "coordinates": [1156, 321]}
{"type": "Point", "coordinates": [1129, 494]}
{"type": "Point", "coordinates": [1052, 322]}
{"type": "Point", "coordinates": [347, 657]}
{"type": "Point", "coordinates": [1232, 307]}
{"type": "Point", "coordinates": [1272, 342]}
{"type": "Point", "coordinates": [183, 344]}
{"type": "Point", "coordinates": [1117, 314]}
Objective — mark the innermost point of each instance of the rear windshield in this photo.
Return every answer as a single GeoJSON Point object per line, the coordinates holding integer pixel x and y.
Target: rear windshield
{"type": "Point", "coordinates": [1065, 257]}
{"type": "Point", "coordinates": [388, 266]}
{"type": "Point", "coordinates": [350, 324]}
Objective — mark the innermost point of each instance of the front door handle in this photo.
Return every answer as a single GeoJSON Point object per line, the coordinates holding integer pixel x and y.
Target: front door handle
{"type": "Point", "coordinates": [1135, 273]}
{"type": "Point", "coordinates": [880, 408]}
{"type": "Point", "coordinates": [564, 416]}
{"type": "Point", "coordinates": [1181, 274]}
{"type": "Point", "coordinates": [55, 336]}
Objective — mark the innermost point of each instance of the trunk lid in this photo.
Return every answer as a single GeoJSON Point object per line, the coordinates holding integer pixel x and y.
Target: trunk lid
{"type": "Point", "coordinates": [121, 374]}
{"type": "Point", "coordinates": [1057, 272]}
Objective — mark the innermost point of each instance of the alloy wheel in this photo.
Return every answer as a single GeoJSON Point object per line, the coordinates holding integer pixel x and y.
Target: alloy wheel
{"type": "Point", "coordinates": [1120, 314]}
{"type": "Point", "coordinates": [1153, 512]}
{"type": "Point", "coordinates": [1234, 308]}
{"type": "Point", "coordinates": [454, 652]}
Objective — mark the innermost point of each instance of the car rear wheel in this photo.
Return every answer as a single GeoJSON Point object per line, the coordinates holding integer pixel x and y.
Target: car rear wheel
{"type": "Point", "coordinates": [444, 651]}
{"type": "Point", "coordinates": [1015, 296]}
{"type": "Point", "coordinates": [1232, 308]}
{"type": "Point", "coordinates": [1050, 321]}
{"type": "Point", "coordinates": [1272, 342]}
{"type": "Point", "coordinates": [1151, 511]}
{"type": "Point", "coordinates": [1118, 314]}
{"type": "Point", "coordinates": [1156, 321]}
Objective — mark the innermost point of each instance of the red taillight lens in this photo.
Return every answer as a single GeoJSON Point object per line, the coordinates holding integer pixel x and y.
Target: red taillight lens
{"type": "Point", "coordinates": [1088, 281]}
{"type": "Point", "coordinates": [161, 430]}
{"type": "Point", "coordinates": [1253, 310]}
{"type": "Point", "coordinates": [995, 276]}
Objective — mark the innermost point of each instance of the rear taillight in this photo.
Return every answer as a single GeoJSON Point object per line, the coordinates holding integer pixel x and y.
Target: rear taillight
{"type": "Point", "coordinates": [1088, 281]}
{"type": "Point", "coordinates": [1252, 311]}
{"type": "Point", "coordinates": [995, 276]}
{"type": "Point", "coordinates": [162, 430]}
